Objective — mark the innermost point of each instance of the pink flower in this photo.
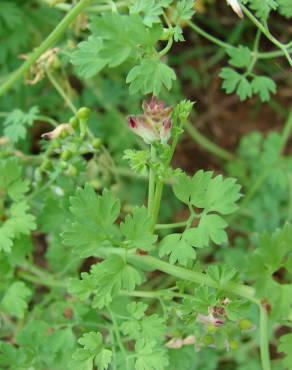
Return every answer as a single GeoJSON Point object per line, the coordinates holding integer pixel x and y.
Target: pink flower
{"type": "Point", "coordinates": [155, 124]}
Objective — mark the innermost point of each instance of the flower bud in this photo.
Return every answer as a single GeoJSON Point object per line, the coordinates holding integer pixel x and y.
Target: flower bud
{"type": "Point", "coordinates": [58, 131]}
{"type": "Point", "coordinates": [155, 124]}
{"type": "Point", "coordinates": [83, 113]}
{"type": "Point", "coordinates": [235, 7]}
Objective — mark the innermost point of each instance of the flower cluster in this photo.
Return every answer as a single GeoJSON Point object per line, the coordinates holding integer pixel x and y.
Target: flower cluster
{"type": "Point", "coordinates": [155, 124]}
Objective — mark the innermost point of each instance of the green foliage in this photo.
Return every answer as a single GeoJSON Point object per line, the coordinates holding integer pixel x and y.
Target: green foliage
{"type": "Point", "coordinates": [136, 229]}
{"type": "Point", "coordinates": [209, 194]}
{"type": "Point", "coordinates": [92, 220]}
{"type": "Point", "coordinates": [105, 280]}
{"type": "Point", "coordinates": [92, 354]}
{"type": "Point", "coordinates": [15, 300]}
{"type": "Point", "coordinates": [269, 257]}
{"type": "Point", "coordinates": [285, 346]}
{"type": "Point", "coordinates": [91, 278]}
{"type": "Point", "coordinates": [17, 123]}
{"type": "Point", "coordinates": [262, 8]}
{"type": "Point", "coordinates": [150, 76]}
{"type": "Point", "coordinates": [16, 220]}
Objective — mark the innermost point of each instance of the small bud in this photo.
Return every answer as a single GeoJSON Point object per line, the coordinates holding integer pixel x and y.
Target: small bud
{"type": "Point", "coordinates": [208, 340]}
{"type": "Point", "coordinates": [83, 113]}
{"type": "Point", "coordinates": [66, 154]}
{"type": "Point", "coordinates": [96, 143]}
{"type": "Point", "coordinates": [236, 7]}
{"type": "Point", "coordinates": [74, 122]}
{"type": "Point", "coordinates": [245, 324]}
{"type": "Point", "coordinates": [174, 343]}
{"type": "Point", "coordinates": [64, 127]}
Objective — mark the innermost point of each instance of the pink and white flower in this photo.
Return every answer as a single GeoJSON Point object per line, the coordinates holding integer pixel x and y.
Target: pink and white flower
{"type": "Point", "coordinates": [155, 124]}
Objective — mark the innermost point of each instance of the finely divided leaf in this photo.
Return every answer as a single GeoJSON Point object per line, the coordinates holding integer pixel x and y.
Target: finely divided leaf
{"type": "Point", "coordinates": [179, 249]}
{"type": "Point", "coordinates": [136, 229]}
{"type": "Point", "coordinates": [263, 86]}
{"type": "Point", "coordinates": [150, 77]}
{"type": "Point", "coordinates": [15, 299]}
{"type": "Point", "coordinates": [87, 57]}
{"type": "Point", "coordinates": [92, 220]}
{"type": "Point", "coordinates": [105, 280]}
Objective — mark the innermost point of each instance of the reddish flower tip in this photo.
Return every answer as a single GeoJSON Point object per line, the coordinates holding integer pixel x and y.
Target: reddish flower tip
{"type": "Point", "coordinates": [132, 122]}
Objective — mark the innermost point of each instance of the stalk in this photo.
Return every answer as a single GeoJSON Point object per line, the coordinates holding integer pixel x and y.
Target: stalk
{"type": "Point", "coordinates": [46, 44]}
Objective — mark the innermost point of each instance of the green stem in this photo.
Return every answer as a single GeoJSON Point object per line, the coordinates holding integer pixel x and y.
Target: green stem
{"type": "Point", "coordinates": [286, 131]}
{"type": "Point", "coordinates": [267, 33]}
{"type": "Point", "coordinates": [225, 45]}
{"type": "Point", "coordinates": [62, 93]}
{"type": "Point", "coordinates": [46, 44]}
{"type": "Point", "coordinates": [151, 187]}
{"type": "Point", "coordinates": [167, 47]}
{"type": "Point", "coordinates": [264, 339]}
{"type": "Point", "coordinates": [156, 203]}
{"type": "Point", "coordinates": [171, 226]}
{"type": "Point", "coordinates": [207, 144]}
{"type": "Point", "coordinates": [118, 337]}
{"type": "Point", "coordinates": [241, 290]}
{"type": "Point", "coordinates": [38, 280]}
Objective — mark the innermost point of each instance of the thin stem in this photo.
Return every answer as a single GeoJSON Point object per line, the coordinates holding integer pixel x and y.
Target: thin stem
{"type": "Point", "coordinates": [267, 33]}
{"type": "Point", "coordinates": [118, 336]}
{"type": "Point", "coordinates": [171, 226]}
{"type": "Point", "coordinates": [225, 45]}
{"type": "Point", "coordinates": [38, 280]}
{"type": "Point", "coordinates": [46, 44]}
{"type": "Point", "coordinates": [264, 339]}
{"type": "Point", "coordinates": [241, 290]}
{"type": "Point", "coordinates": [207, 144]}
{"type": "Point", "coordinates": [167, 47]}
{"type": "Point", "coordinates": [58, 87]}
{"type": "Point", "coordinates": [286, 131]}
{"type": "Point", "coordinates": [156, 203]}
{"type": "Point", "coordinates": [151, 187]}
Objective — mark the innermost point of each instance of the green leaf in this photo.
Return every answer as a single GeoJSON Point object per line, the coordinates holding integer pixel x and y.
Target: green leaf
{"type": "Point", "coordinates": [150, 356]}
{"type": "Point", "coordinates": [244, 89]}
{"type": "Point", "coordinates": [263, 86]}
{"type": "Point", "coordinates": [93, 352]}
{"type": "Point", "coordinates": [231, 79]}
{"type": "Point", "coordinates": [239, 57]}
{"type": "Point", "coordinates": [105, 281]}
{"type": "Point", "coordinates": [269, 257]}
{"type": "Point", "coordinates": [150, 77]}
{"type": "Point", "coordinates": [213, 194]}
{"type": "Point", "coordinates": [15, 299]}
{"type": "Point", "coordinates": [285, 8]}
{"type": "Point", "coordinates": [19, 222]}
{"type": "Point", "coordinates": [87, 57]}
{"type": "Point", "coordinates": [210, 228]}
{"type": "Point", "coordinates": [221, 274]}
{"type": "Point", "coordinates": [184, 10]}
{"type": "Point", "coordinates": [149, 328]}
{"type": "Point", "coordinates": [221, 195]}
{"type": "Point", "coordinates": [262, 8]}
{"type": "Point", "coordinates": [124, 36]}
{"type": "Point", "coordinates": [150, 10]}
{"type": "Point", "coordinates": [11, 181]}
{"type": "Point", "coordinates": [17, 123]}
{"type": "Point", "coordinates": [177, 248]}
{"type": "Point", "coordinates": [92, 220]}
{"type": "Point", "coordinates": [136, 229]}
{"type": "Point", "coordinates": [285, 346]}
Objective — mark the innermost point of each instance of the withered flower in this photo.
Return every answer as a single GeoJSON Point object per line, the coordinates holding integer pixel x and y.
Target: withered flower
{"type": "Point", "coordinates": [63, 127]}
